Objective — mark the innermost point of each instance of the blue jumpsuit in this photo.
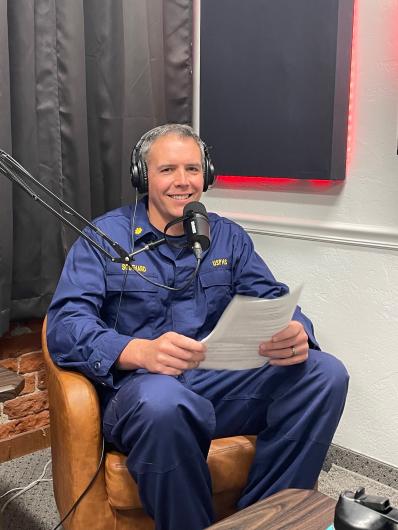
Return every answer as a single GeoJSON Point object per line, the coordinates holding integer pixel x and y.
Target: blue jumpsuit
{"type": "Point", "coordinates": [165, 424]}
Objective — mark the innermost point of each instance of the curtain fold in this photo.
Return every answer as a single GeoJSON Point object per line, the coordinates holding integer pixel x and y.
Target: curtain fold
{"type": "Point", "coordinates": [80, 81]}
{"type": "Point", "coordinates": [6, 230]}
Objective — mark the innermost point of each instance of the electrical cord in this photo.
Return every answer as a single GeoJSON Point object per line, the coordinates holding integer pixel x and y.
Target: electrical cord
{"type": "Point", "coordinates": [190, 279]}
{"type": "Point", "coordinates": [182, 288]}
{"type": "Point", "coordinates": [129, 267]}
{"type": "Point", "coordinates": [132, 223]}
{"type": "Point", "coordinates": [168, 287]}
{"type": "Point", "coordinates": [23, 489]}
{"type": "Point", "coordinates": [74, 505]}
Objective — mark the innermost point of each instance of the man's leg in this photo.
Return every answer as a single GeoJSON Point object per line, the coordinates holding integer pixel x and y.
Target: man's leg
{"type": "Point", "coordinates": [294, 411]}
{"type": "Point", "coordinates": [165, 430]}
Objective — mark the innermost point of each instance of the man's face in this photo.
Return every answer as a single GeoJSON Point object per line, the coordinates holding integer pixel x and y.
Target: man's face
{"type": "Point", "coordinates": [175, 178]}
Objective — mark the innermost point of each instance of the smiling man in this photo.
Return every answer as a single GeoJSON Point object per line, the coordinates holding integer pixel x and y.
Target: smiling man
{"type": "Point", "coordinates": [176, 178]}
{"type": "Point", "coordinates": [136, 331]}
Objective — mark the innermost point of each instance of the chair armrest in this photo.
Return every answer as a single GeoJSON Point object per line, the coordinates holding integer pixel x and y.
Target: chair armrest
{"type": "Point", "coordinates": [76, 436]}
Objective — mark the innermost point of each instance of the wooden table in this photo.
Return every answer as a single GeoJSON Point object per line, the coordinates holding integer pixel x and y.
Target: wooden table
{"type": "Point", "coordinates": [290, 509]}
{"type": "Point", "coordinates": [11, 384]}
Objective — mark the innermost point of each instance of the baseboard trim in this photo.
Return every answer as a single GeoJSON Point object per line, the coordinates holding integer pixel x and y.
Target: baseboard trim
{"type": "Point", "coordinates": [25, 443]}
{"type": "Point", "coordinates": [362, 464]}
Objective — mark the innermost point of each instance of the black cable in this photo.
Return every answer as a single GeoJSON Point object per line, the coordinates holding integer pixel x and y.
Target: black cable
{"type": "Point", "coordinates": [132, 224]}
{"type": "Point", "coordinates": [120, 298]}
{"type": "Point", "coordinates": [86, 489]}
{"type": "Point", "coordinates": [185, 286]}
{"type": "Point", "coordinates": [153, 245]}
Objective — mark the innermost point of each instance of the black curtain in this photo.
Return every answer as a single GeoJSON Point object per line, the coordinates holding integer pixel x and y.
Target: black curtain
{"type": "Point", "coordinates": [80, 81]}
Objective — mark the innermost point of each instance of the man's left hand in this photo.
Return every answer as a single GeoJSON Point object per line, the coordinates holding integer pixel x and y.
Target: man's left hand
{"type": "Point", "coordinates": [289, 346]}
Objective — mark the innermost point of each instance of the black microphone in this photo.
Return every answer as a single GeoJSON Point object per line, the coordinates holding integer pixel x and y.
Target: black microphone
{"type": "Point", "coordinates": [196, 227]}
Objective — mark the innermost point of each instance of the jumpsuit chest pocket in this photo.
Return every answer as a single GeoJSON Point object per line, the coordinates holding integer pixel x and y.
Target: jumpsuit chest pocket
{"type": "Point", "coordinates": [139, 303]}
{"type": "Point", "coordinates": [132, 283]}
{"type": "Point", "coordinates": [217, 288]}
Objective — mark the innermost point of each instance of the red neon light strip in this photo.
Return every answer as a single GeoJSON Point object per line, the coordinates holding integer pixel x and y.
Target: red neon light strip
{"type": "Point", "coordinates": [352, 99]}
{"type": "Point", "coordinates": [239, 181]}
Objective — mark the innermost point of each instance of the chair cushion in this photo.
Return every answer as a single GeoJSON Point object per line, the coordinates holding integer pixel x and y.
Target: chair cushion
{"type": "Point", "coordinates": [229, 462]}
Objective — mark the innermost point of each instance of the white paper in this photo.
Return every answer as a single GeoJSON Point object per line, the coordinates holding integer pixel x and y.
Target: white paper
{"type": "Point", "coordinates": [246, 322]}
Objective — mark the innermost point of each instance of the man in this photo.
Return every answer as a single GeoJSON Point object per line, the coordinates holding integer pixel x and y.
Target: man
{"type": "Point", "coordinates": [140, 344]}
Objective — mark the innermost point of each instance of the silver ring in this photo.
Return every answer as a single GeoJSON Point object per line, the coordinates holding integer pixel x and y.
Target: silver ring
{"type": "Point", "coordinates": [293, 351]}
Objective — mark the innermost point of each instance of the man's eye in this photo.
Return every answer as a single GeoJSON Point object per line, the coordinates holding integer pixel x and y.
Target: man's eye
{"type": "Point", "coordinates": [193, 169]}
{"type": "Point", "coordinates": [166, 170]}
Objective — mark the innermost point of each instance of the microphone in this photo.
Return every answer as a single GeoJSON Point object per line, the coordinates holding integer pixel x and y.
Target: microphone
{"type": "Point", "coordinates": [196, 227]}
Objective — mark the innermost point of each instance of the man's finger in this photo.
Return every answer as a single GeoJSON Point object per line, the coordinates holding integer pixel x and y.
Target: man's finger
{"type": "Point", "coordinates": [289, 361]}
{"type": "Point", "coordinates": [187, 343]}
{"type": "Point", "coordinates": [291, 330]}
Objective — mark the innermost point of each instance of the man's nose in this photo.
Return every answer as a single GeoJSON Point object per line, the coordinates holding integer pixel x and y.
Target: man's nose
{"type": "Point", "coordinates": [181, 177]}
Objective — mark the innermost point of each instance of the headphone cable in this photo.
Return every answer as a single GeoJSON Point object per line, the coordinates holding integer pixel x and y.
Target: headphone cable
{"type": "Point", "coordinates": [132, 224]}
{"type": "Point", "coordinates": [182, 288]}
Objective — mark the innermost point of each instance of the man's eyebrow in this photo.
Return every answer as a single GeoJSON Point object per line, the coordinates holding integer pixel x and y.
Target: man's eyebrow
{"type": "Point", "coordinates": [163, 166]}
{"type": "Point", "coordinates": [191, 164]}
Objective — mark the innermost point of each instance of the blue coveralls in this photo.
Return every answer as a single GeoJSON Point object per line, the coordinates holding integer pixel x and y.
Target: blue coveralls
{"type": "Point", "coordinates": [165, 424]}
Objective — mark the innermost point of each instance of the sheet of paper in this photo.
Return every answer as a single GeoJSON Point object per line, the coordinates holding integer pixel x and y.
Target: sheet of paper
{"type": "Point", "coordinates": [247, 321]}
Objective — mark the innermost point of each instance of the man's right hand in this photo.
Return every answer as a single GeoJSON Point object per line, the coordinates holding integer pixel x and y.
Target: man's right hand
{"type": "Point", "coordinates": [169, 354]}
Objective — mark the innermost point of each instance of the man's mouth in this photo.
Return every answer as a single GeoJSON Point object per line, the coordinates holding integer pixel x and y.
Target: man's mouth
{"type": "Point", "coordinates": [181, 197]}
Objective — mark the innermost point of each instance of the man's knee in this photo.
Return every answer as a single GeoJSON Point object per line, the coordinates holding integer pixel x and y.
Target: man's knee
{"type": "Point", "coordinates": [162, 406]}
{"type": "Point", "coordinates": [331, 372]}
{"type": "Point", "coordinates": [167, 425]}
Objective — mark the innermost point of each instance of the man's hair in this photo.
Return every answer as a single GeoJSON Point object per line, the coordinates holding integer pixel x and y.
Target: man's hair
{"type": "Point", "coordinates": [179, 129]}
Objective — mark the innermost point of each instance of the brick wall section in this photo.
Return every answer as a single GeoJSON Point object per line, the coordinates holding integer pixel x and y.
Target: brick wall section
{"type": "Point", "coordinates": [20, 351]}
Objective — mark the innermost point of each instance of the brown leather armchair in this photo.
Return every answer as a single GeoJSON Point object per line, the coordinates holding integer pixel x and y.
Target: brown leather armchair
{"type": "Point", "coordinates": [112, 502]}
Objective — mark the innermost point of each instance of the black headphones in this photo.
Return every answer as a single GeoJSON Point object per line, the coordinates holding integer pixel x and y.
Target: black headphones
{"type": "Point", "coordinates": [139, 170]}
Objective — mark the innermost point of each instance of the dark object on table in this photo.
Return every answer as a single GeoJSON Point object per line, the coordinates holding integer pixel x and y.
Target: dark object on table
{"type": "Point", "coordinates": [11, 384]}
{"type": "Point", "coordinates": [366, 512]}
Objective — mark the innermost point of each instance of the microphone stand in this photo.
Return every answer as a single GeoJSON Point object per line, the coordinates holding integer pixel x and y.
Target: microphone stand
{"type": "Point", "coordinates": [10, 168]}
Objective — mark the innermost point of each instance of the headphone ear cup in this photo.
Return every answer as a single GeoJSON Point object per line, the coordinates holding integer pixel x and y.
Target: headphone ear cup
{"type": "Point", "coordinates": [208, 173]}
{"type": "Point", "coordinates": [138, 172]}
{"type": "Point", "coordinates": [143, 176]}
{"type": "Point", "coordinates": [134, 175]}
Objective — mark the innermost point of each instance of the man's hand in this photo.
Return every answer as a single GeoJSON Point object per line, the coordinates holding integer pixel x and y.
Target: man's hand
{"type": "Point", "coordinates": [282, 345]}
{"type": "Point", "coordinates": [169, 354]}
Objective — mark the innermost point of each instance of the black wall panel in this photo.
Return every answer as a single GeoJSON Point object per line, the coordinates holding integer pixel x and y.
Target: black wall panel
{"type": "Point", "coordinates": [274, 89]}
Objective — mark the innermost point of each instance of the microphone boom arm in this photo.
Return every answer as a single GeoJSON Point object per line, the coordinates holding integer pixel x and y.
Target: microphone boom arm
{"type": "Point", "coordinates": [11, 169]}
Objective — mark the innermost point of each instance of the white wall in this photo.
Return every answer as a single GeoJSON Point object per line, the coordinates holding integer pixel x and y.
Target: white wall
{"type": "Point", "coordinates": [341, 240]}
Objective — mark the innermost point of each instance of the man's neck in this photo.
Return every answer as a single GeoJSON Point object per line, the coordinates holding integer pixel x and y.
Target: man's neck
{"type": "Point", "coordinates": [160, 225]}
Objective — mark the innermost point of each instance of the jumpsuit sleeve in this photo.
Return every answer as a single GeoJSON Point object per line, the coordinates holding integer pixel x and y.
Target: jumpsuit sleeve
{"type": "Point", "coordinates": [77, 336]}
{"type": "Point", "coordinates": [252, 277]}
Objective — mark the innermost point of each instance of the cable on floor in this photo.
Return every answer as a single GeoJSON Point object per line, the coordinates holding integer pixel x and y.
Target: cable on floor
{"type": "Point", "coordinates": [23, 489]}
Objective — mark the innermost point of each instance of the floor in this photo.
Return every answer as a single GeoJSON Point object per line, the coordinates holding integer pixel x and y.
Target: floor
{"type": "Point", "coordinates": [36, 510]}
